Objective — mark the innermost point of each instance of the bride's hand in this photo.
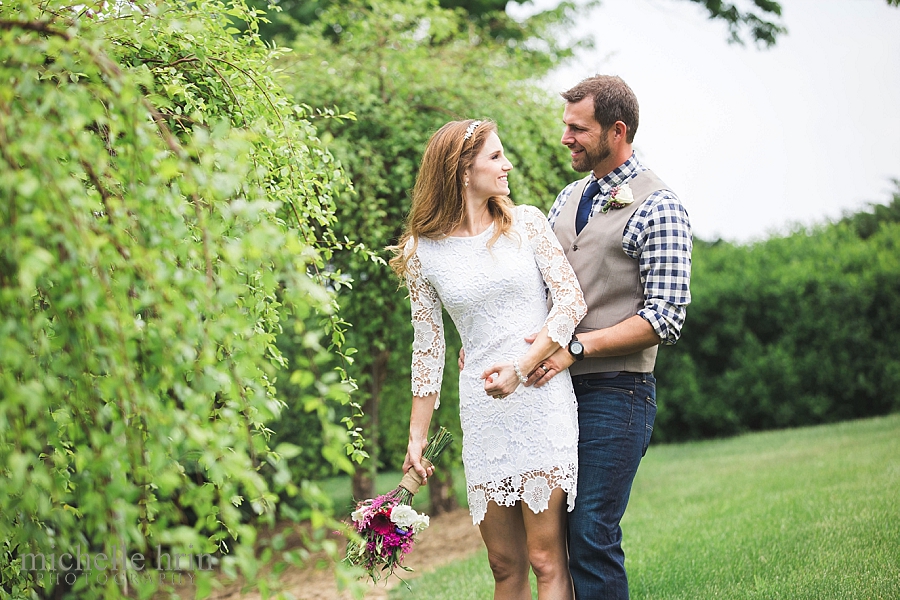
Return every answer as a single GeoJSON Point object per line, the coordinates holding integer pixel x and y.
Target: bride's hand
{"type": "Point", "coordinates": [500, 380]}
{"type": "Point", "coordinates": [413, 460]}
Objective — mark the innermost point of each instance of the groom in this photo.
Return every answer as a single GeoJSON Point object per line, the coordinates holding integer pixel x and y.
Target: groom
{"type": "Point", "coordinates": [628, 238]}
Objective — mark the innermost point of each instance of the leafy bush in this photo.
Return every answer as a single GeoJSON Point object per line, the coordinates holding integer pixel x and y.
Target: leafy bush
{"type": "Point", "coordinates": [164, 207]}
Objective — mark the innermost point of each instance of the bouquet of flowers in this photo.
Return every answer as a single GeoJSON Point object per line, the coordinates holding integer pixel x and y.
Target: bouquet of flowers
{"type": "Point", "coordinates": [387, 525]}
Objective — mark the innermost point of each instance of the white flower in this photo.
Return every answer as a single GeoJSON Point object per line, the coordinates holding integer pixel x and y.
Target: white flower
{"type": "Point", "coordinates": [623, 194]}
{"type": "Point", "coordinates": [421, 524]}
{"type": "Point", "coordinates": [423, 335]}
{"type": "Point", "coordinates": [359, 514]}
{"type": "Point", "coordinates": [619, 197]}
{"type": "Point", "coordinates": [496, 445]}
{"type": "Point", "coordinates": [404, 516]}
{"type": "Point", "coordinates": [537, 494]}
{"type": "Point", "coordinates": [563, 428]}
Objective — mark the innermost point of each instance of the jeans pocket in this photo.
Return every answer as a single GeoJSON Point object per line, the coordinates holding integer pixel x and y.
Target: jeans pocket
{"type": "Point", "coordinates": [606, 422]}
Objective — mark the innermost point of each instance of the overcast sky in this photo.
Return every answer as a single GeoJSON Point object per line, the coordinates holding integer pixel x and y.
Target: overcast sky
{"type": "Point", "coordinates": [755, 140]}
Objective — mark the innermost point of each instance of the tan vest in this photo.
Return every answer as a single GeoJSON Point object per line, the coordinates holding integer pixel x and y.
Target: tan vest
{"type": "Point", "coordinates": [609, 278]}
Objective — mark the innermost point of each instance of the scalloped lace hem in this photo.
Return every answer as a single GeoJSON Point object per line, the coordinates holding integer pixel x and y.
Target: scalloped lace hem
{"type": "Point", "coordinates": [533, 488]}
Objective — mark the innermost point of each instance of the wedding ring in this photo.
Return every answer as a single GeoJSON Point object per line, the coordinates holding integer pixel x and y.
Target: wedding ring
{"type": "Point", "coordinates": [545, 368]}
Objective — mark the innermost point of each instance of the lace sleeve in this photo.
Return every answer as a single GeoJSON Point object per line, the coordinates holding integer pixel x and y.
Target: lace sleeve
{"type": "Point", "coordinates": [428, 326]}
{"type": "Point", "coordinates": [568, 301]}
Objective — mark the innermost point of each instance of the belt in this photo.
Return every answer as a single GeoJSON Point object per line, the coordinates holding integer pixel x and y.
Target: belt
{"type": "Point", "coordinates": [602, 375]}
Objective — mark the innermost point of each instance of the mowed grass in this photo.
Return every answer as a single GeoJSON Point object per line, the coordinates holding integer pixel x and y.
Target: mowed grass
{"type": "Point", "coordinates": [811, 513]}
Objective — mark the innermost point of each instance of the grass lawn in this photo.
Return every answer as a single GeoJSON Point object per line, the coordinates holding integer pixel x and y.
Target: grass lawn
{"type": "Point", "coordinates": [811, 513]}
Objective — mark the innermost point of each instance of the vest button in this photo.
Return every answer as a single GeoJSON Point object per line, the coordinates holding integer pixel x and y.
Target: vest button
{"type": "Point", "coordinates": [574, 247]}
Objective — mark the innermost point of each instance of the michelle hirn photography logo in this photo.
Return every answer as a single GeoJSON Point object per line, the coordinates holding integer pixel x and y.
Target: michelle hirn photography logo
{"type": "Point", "coordinates": [68, 566]}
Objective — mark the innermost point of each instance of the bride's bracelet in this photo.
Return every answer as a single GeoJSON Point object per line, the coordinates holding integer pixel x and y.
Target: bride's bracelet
{"type": "Point", "coordinates": [522, 378]}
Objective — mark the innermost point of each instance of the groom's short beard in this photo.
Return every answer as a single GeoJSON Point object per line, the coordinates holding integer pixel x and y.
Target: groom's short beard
{"type": "Point", "coordinates": [589, 160]}
{"type": "Point", "coordinates": [592, 157]}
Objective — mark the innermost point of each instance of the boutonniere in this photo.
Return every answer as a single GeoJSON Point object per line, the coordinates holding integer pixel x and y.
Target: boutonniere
{"type": "Point", "coordinates": [619, 197]}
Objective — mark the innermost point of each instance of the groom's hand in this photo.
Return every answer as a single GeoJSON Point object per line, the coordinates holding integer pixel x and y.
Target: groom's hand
{"type": "Point", "coordinates": [558, 362]}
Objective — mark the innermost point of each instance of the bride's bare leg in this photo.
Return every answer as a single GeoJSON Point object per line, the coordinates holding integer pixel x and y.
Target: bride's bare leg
{"type": "Point", "coordinates": [547, 553]}
{"type": "Point", "coordinates": [503, 532]}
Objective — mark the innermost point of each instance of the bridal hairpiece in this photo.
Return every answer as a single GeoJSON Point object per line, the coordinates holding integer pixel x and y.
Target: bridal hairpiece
{"type": "Point", "coordinates": [470, 130]}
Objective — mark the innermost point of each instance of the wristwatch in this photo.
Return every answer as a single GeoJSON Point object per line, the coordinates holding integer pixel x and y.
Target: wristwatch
{"type": "Point", "coordinates": [576, 348]}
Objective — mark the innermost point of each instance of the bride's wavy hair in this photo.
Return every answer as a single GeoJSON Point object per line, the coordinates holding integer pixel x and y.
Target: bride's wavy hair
{"type": "Point", "coordinates": [438, 206]}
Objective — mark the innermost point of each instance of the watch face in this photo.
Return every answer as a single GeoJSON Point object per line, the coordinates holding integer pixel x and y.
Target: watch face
{"type": "Point", "coordinates": [576, 348]}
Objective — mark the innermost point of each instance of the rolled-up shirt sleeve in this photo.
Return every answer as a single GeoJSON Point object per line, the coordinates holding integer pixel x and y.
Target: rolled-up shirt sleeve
{"type": "Point", "coordinates": [659, 237]}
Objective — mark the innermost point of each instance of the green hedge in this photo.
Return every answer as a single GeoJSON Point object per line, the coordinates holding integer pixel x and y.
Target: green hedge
{"type": "Point", "coordinates": [794, 330]}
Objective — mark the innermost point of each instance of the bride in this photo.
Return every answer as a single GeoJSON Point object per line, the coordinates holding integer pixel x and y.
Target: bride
{"type": "Point", "coordinates": [468, 248]}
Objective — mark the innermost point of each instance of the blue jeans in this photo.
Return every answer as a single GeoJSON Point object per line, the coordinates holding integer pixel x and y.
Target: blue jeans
{"type": "Point", "coordinates": [615, 420]}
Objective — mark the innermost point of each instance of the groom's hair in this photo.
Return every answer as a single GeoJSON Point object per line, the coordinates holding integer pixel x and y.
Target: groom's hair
{"type": "Point", "coordinates": [613, 101]}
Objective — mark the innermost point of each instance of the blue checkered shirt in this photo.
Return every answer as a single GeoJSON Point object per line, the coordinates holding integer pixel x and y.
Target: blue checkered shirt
{"type": "Point", "coordinates": [658, 235]}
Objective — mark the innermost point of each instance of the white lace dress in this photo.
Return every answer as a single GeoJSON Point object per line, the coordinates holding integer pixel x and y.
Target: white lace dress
{"type": "Point", "coordinates": [525, 445]}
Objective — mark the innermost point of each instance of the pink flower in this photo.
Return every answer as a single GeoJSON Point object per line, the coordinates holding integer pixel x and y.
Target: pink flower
{"type": "Point", "coordinates": [381, 524]}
